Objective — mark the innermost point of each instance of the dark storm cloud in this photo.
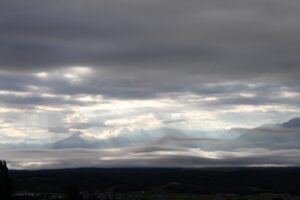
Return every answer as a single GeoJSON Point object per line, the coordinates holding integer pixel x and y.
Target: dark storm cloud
{"type": "Point", "coordinates": [130, 87]}
{"type": "Point", "coordinates": [233, 39]}
{"type": "Point", "coordinates": [101, 158]}
{"type": "Point", "coordinates": [14, 81]}
{"type": "Point", "coordinates": [141, 49]}
{"type": "Point", "coordinates": [35, 100]}
{"type": "Point", "coordinates": [267, 99]}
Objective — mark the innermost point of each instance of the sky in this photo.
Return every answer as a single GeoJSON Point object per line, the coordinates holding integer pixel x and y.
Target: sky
{"type": "Point", "coordinates": [172, 83]}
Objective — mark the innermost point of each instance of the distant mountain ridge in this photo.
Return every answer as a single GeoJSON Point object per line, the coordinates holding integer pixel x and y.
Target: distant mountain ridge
{"type": "Point", "coordinates": [73, 141]}
{"type": "Point", "coordinates": [270, 136]}
{"type": "Point", "coordinates": [293, 123]}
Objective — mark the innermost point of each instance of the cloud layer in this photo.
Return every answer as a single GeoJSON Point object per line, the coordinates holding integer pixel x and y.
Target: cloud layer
{"type": "Point", "coordinates": [140, 70]}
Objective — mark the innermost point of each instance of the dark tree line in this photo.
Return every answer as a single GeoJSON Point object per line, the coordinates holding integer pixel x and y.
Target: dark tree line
{"type": "Point", "coordinates": [5, 182]}
{"type": "Point", "coordinates": [72, 193]}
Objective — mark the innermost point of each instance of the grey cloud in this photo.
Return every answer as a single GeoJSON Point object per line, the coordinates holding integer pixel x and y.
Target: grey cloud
{"type": "Point", "coordinates": [58, 129]}
{"type": "Point", "coordinates": [34, 118]}
{"type": "Point", "coordinates": [256, 100]}
{"type": "Point", "coordinates": [268, 145]}
{"type": "Point", "coordinates": [35, 100]}
{"type": "Point", "coordinates": [249, 39]}
{"type": "Point", "coordinates": [149, 149]}
{"type": "Point", "coordinates": [131, 87]}
{"type": "Point", "coordinates": [86, 125]}
{"type": "Point", "coordinates": [271, 137]}
{"type": "Point", "coordinates": [186, 141]}
{"type": "Point", "coordinates": [173, 121]}
{"type": "Point", "coordinates": [101, 158]}
{"type": "Point", "coordinates": [198, 53]}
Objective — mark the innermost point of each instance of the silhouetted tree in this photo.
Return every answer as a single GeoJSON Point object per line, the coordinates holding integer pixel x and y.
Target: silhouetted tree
{"type": "Point", "coordinates": [5, 182]}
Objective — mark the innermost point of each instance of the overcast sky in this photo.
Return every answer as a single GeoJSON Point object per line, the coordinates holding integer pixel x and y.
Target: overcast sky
{"type": "Point", "coordinates": [108, 69]}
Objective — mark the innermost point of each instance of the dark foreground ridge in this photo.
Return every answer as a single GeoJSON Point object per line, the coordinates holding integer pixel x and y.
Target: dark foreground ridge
{"type": "Point", "coordinates": [187, 181]}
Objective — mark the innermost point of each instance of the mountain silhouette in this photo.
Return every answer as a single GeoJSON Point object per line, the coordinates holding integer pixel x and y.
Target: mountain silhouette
{"type": "Point", "coordinates": [75, 141]}
{"type": "Point", "coordinates": [272, 136]}
{"type": "Point", "coordinates": [293, 123]}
